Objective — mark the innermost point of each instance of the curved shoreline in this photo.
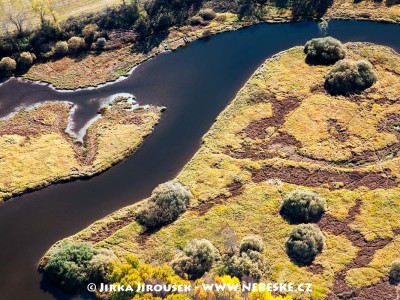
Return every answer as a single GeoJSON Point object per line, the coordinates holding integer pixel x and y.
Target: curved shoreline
{"type": "Point", "coordinates": [192, 38]}
{"type": "Point", "coordinates": [39, 219]}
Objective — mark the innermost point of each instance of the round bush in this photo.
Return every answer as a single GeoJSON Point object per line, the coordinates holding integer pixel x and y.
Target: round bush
{"type": "Point", "coordinates": [76, 44]}
{"type": "Point", "coordinates": [196, 20]}
{"type": "Point", "coordinates": [302, 206]}
{"type": "Point", "coordinates": [68, 267]}
{"type": "Point", "coordinates": [166, 203]}
{"type": "Point", "coordinates": [348, 77]}
{"type": "Point", "coordinates": [61, 48]}
{"type": "Point", "coordinates": [101, 43]}
{"type": "Point", "coordinates": [101, 265]}
{"type": "Point", "coordinates": [7, 65]}
{"type": "Point", "coordinates": [305, 242]}
{"type": "Point", "coordinates": [26, 59]}
{"type": "Point", "coordinates": [197, 258]}
{"type": "Point", "coordinates": [394, 273]}
{"type": "Point", "coordinates": [324, 51]}
{"type": "Point", "coordinates": [251, 243]}
{"type": "Point", "coordinates": [207, 14]}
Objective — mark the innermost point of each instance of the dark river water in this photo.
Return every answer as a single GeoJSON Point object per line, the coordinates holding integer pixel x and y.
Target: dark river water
{"type": "Point", "coordinates": [195, 83]}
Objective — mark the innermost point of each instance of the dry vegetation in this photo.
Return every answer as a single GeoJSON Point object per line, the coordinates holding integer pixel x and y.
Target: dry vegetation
{"type": "Point", "coordinates": [282, 132]}
{"type": "Point", "coordinates": [72, 73]}
{"type": "Point", "coordinates": [37, 151]}
{"type": "Point", "coordinates": [63, 8]}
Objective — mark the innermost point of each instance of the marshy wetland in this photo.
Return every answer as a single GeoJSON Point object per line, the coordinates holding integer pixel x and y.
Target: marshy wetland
{"type": "Point", "coordinates": [195, 84]}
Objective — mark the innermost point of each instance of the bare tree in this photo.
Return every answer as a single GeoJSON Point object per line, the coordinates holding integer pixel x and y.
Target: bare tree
{"type": "Point", "coordinates": [17, 17]}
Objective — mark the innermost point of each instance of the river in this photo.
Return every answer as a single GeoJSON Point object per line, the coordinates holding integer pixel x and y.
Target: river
{"type": "Point", "coordinates": [195, 84]}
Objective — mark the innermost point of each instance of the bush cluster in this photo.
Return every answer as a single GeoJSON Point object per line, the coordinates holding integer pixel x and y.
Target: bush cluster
{"type": "Point", "coordinates": [305, 242]}
{"type": "Point", "coordinates": [196, 258]}
{"type": "Point", "coordinates": [394, 273]}
{"type": "Point", "coordinates": [324, 51]}
{"type": "Point", "coordinates": [166, 203]}
{"type": "Point", "coordinates": [75, 264]}
{"type": "Point", "coordinates": [348, 77]}
{"type": "Point", "coordinates": [248, 261]}
{"type": "Point", "coordinates": [302, 206]}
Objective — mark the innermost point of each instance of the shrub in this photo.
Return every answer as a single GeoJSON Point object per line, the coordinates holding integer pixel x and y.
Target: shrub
{"type": "Point", "coordinates": [143, 27]}
{"type": "Point", "coordinates": [251, 243]}
{"type": "Point", "coordinates": [68, 267]}
{"type": "Point", "coordinates": [100, 266]}
{"type": "Point", "coordinates": [196, 20]}
{"type": "Point", "coordinates": [302, 206]}
{"type": "Point", "coordinates": [348, 76]}
{"type": "Point", "coordinates": [394, 273]}
{"type": "Point", "coordinates": [197, 258]}
{"type": "Point", "coordinates": [134, 273]}
{"type": "Point", "coordinates": [7, 65]}
{"type": "Point", "coordinates": [248, 264]}
{"type": "Point", "coordinates": [305, 242]}
{"type": "Point", "coordinates": [101, 43]}
{"type": "Point", "coordinates": [76, 44]}
{"type": "Point", "coordinates": [61, 48]}
{"type": "Point", "coordinates": [206, 34]}
{"type": "Point", "coordinates": [166, 203]}
{"type": "Point", "coordinates": [207, 14]}
{"type": "Point", "coordinates": [325, 50]}
{"type": "Point", "coordinates": [89, 32]}
{"type": "Point", "coordinates": [26, 59]}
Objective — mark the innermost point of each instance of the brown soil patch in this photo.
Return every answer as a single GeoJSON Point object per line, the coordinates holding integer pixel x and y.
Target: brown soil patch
{"type": "Point", "coordinates": [349, 180]}
{"type": "Point", "coordinates": [109, 229]}
{"type": "Point", "coordinates": [235, 188]}
{"type": "Point", "coordinates": [315, 269]}
{"type": "Point", "coordinates": [280, 142]}
{"type": "Point", "coordinates": [383, 290]}
{"type": "Point", "coordinates": [280, 109]}
{"type": "Point", "coordinates": [340, 290]}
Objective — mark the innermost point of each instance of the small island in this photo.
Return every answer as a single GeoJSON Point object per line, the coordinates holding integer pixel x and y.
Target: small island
{"type": "Point", "coordinates": [37, 151]}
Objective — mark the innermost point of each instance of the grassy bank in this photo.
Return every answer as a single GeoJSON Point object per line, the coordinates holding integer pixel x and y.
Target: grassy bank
{"type": "Point", "coordinates": [36, 150]}
{"type": "Point", "coordinates": [94, 67]}
{"type": "Point", "coordinates": [278, 135]}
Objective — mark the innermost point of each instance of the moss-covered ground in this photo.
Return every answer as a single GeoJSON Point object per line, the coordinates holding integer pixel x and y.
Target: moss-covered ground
{"type": "Point", "coordinates": [281, 132]}
{"type": "Point", "coordinates": [36, 151]}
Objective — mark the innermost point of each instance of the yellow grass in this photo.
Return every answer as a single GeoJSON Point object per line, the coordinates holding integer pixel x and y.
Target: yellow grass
{"type": "Point", "coordinates": [255, 209]}
{"type": "Point", "coordinates": [64, 8]}
{"type": "Point", "coordinates": [35, 151]}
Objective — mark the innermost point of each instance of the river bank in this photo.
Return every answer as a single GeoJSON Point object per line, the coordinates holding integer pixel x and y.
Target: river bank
{"type": "Point", "coordinates": [258, 150]}
{"type": "Point", "coordinates": [96, 68]}
{"type": "Point", "coordinates": [195, 83]}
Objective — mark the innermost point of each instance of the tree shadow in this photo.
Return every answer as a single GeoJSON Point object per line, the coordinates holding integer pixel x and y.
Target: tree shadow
{"type": "Point", "coordinates": [150, 42]}
{"type": "Point", "coordinates": [310, 9]}
{"type": "Point", "coordinates": [57, 293]}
